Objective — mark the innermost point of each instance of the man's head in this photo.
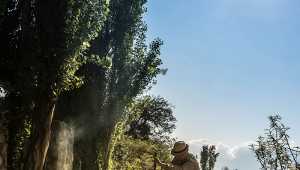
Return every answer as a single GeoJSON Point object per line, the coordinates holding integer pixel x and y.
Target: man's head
{"type": "Point", "coordinates": [180, 150]}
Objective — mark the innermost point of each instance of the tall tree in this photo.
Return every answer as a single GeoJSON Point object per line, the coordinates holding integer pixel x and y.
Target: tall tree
{"type": "Point", "coordinates": [39, 58]}
{"type": "Point", "coordinates": [125, 67]}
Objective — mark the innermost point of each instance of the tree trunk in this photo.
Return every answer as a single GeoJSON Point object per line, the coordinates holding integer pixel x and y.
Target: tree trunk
{"type": "Point", "coordinates": [40, 139]}
{"type": "Point", "coordinates": [60, 153]}
{"type": "Point", "coordinates": [3, 146]}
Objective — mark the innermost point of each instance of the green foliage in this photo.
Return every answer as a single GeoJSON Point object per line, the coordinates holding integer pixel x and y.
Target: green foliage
{"type": "Point", "coordinates": [133, 66]}
{"type": "Point", "coordinates": [138, 153]}
{"type": "Point", "coordinates": [151, 118]}
{"type": "Point", "coordinates": [47, 48]}
{"type": "Point", "coordinates": [84, 20]}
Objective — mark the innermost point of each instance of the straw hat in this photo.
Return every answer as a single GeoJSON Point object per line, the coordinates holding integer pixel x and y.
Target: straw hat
{"type": "Point", "coordinates": [179, 148]}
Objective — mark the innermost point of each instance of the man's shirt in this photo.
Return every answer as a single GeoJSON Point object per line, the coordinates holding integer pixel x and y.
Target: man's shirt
{"type": "Point", "coordinates": [191, 164]}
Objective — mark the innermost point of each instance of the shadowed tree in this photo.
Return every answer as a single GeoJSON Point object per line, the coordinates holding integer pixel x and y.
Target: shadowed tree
{"type": "Point", "coordinates": [38, 60]}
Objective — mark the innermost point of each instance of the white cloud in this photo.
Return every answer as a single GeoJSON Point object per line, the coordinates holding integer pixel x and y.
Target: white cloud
{"type": "Point", "coordinates": [238, 157]}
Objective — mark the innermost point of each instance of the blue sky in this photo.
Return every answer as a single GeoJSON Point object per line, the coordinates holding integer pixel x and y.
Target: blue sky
{"type": "Point", "coordinates": [231, 64]}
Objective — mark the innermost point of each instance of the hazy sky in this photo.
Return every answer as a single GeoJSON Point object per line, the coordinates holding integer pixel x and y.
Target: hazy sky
{"type": "Point", "coordinates": [231, 64]}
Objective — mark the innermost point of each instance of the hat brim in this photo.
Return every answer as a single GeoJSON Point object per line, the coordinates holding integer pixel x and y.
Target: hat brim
{"type": "Point", "coordinates": [173, 152]}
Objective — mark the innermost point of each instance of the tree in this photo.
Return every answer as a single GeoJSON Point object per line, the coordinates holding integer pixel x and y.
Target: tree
{"type": "Point", "coordinates": [274, 151]}
{"type": "Point", "coordinates": [213, 155]}
{"type": "Point", "coordinates": [125, 67]}
{"type": "Point", "coordinates": [136, 149]}
{"type": "Point", "coordinates": [39, 55]}
{"type": "Point", "coordinates": [87, 49]}
{"type": "Point", "coordinates": [134, 154]}
{"type": "Point", "coordinates": [154, 119]}
{"type": "Point", "coordinates": [208, 157]}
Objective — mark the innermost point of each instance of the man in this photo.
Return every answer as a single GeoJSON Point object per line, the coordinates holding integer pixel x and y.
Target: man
{"type": "Point", "coordinates": [182, 159]}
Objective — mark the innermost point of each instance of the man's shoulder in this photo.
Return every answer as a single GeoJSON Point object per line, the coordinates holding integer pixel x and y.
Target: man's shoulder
{"type": "Point", "coordinates": [192, 160]}
{"type": "Point", "coordinates": [193, 163]}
